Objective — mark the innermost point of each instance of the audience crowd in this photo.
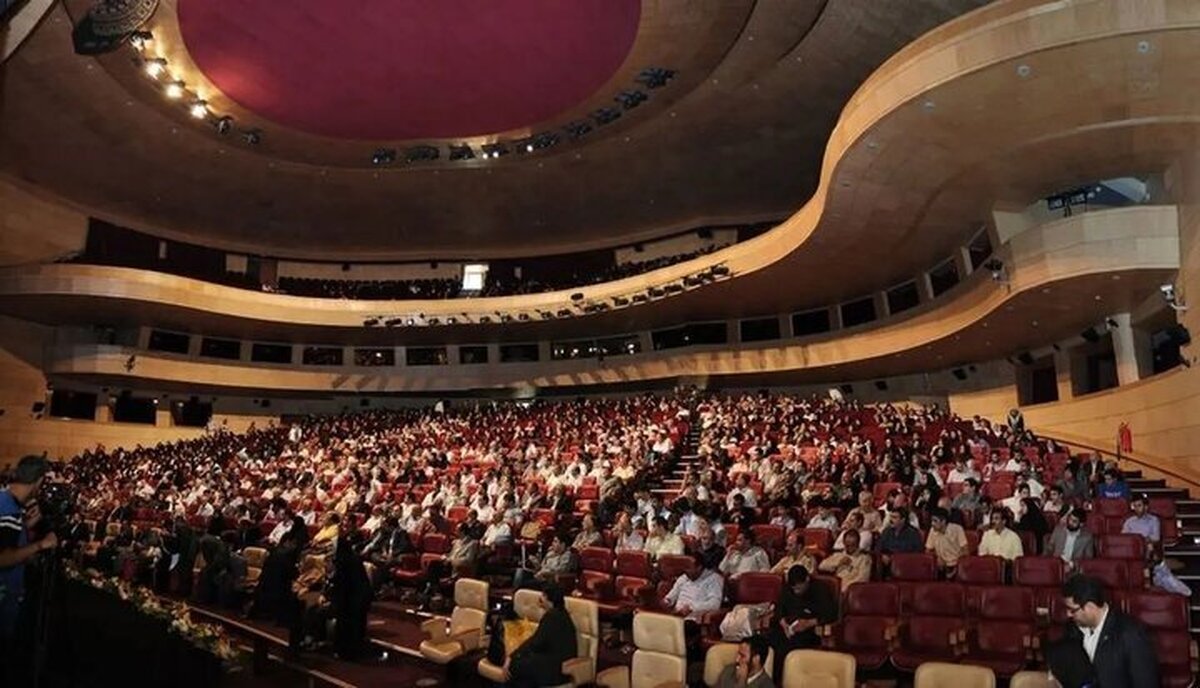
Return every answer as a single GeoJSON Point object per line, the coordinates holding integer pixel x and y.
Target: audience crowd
{"type": "Point", "coordinates": [319, 517]}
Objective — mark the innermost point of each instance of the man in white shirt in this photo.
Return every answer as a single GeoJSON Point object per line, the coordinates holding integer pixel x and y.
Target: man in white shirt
{"type": "Point", "coordinates": [824, 517]}
{"type": "Point", "coordinates": [689, 522]}
{"type": "Point", "coordinates": [744, 557]}
{"type": "Point", "coordinates": [498, 531]}
{"type": "Point", "coordinates": [999, 541]}
{"type": "Point", "coordinates": [696, 592]}
{"type": "Point", "coordinates": [742, 488]}
{"type": "Point", "coordinates": [661, 541]}
{"type": "Point", "coordinates": [961, 471]}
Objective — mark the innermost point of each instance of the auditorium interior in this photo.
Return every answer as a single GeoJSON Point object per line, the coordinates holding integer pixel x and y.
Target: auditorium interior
{"type": "Point", "coordinates": [354, 334]}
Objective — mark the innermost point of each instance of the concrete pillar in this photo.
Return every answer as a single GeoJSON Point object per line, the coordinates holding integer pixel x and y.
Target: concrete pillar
{"type": "Point", "coordinates": [162, 415]}
{"type": "Point", "coordinates": [493, 352]}
{"type": "Point", "coordinates": [245, 348]}
{"type": "Point", "coordinates": [143, 338]}
{"type": "Point", "coordinates": [194, 345]}
{"type": "Point", "coordinates": [1143, 347]}
{"type": "Point", "coordinates": [1062, 372]}
{"type": "Point", "coordinates": [645, 342]}
{"type": "Point", "coordinates": [543, 352]}
{"type": "Point", "coordinates": [348, 356]}
{"type": "Point", "coordinates": [1125, 350]}
{"type": "Point", "coordinates": [104, 411]}
{"type": "Point", "coordinates": [452, 354]}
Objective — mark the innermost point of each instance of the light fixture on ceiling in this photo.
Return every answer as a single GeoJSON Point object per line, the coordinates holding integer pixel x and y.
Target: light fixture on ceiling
{"type": "Point", "coordinates": [199, 109]}
{"type": "Point", "coordinates": [154, 67]}
{"type": "Point", "coordinates": [383, 156]}
{"type": "Point", "coordinates": [252, 137]}
{"type": "Point", "coordinates": [1168, 292]}
{"type": "Point", "coordinates": [141, 39]}
{"type": "Point", "coordinates": [223, 124]}
{"type": "Point", "coordinates": [174, 89]}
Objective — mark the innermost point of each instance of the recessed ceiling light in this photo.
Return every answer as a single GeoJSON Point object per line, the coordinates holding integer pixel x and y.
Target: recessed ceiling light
{"type": "Point", "coordinates": [155, 66]}
{"type": "Point", "coordinates": [175, 89]}
{"type": "Point", "coordinates": [929, 105]}
{"type": "Point", "coordinates": [199, 109]}
{"type": "Point", "coordinates": [1143, 47]}
{"type": "Point", "coordinates": [1024, 70]}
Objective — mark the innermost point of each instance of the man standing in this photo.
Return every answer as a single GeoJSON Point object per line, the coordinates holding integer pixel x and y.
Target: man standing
{"type": "Point", "coordinates": [1119, 649]}
{"type": "Point", "coordinates": [18, 515]}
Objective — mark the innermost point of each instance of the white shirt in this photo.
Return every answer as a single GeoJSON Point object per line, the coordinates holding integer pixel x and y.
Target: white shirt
{"type": "Point", "coordinates": [1069, 545]}
{"type": "Point", "coordinates": [746, 492]}
{"type": "Point", "coordinates": [689, 524]}
{"type": "Point", "coordinates": [701, 595]}
{"type": "Point", "coordinates": [1091, 636]}
{"type": "Point", "coordinates": [736, 563]}
{"type": "Point", "coordinates": [497, 532]}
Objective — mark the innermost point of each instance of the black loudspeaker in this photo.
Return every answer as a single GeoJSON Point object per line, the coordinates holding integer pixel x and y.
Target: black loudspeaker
{"type": "Point", "coordinates": [1090, 334]}
{"type": "Point", "coordinates": [1026, 358]}
{"type": "Point", "coordinates": [959, 374]}
{"type": "Point", "coordinates": [1178, 335]}
{"type": "Point", "coordinates": [881, 385]}
{"type": "Point", "coordinates": [266, 403]}
{"type": "Point", "coordinates": [705, 233]}
{"type": "Point", "coordinates": [847, 389]}
{"type": "Point", "coordinates": [38, 407]}
{"type": "Point", "coordinates": [364, 402]}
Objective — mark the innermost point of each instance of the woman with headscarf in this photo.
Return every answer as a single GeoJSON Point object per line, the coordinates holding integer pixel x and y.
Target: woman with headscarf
{"type": "Point", "coordinates": [1032, 520]}
{"type": "Point", "coordinates": [350, 597]}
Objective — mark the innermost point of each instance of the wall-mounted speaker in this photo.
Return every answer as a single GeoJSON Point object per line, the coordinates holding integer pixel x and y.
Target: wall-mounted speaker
{"type": "Point", "coordinates": [881, 385]}
{"type": "Point", "coordinates": [1025, 358]}
{"type": "Point", "coordinates": [1090, 334]}
{"type": "Point", "coordinates": [1178, 335]}
{"type": "Point", "coordinates": [959, 374]}
{"type": "Point", "coordinates": [846, 389]}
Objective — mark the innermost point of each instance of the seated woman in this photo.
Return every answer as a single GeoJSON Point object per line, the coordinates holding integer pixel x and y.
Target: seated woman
{"type": "Point", "coordinates": [538, 661]}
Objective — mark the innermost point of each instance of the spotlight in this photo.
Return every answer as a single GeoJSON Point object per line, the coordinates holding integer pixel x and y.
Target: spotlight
{"type": "Point", "coordinates": [656, 292]}
{"type": "Point", "coordinates": [383, 156]}
{"type": "Point", "coordinates": [1112, 324]}
{"type": "Point", "coordinates": [564, 313]}
{"type": "Point", "coordinates": [452, 320]}
{"type": "Point", "coordinates": [1168, 292]}
{"type": "Point", "coordinates": [529, 148]}
{"type": "Point", "coordinates": [422, 153]}
{"type": "Point", "coordinates": [630, 99]}
{"type": "Point", "coordinates": [719, 270]}
{"type": "Point", "coordinates": [461, 152]}
{"type": "Point", "coordinates": [199, 109]}
{"type": "Point", "coordinates": [577, 128]}
{"type": "Point", "coordinates": [640, 298]}
{"type": "Point", "coordinates": [606, 115]}
{"type": "Point", "coordinates": [523, 317]}
{"type": "Point", "coordinates": [370, 322]}
{"type": "Point", "coordinates": [655, 77]}
{"type": "Point", "coordinates": [175, 89]}
{"type": "Point", "coordinates": [410, 322]}
{"type": "Point", "coordinates": [155, 66]}
{"type": "Point", "coordinates": [224, 125]}
{"type": "Point", "coordinates": [434, 321]}
{"type": "Point", "coordinates": [620, 301]}
{"type": "Point", "coordinates": [546, 315]}
{"type": "Point", "coordinates": [252, 137]}
{"type": "Point", "coordinates": [545, 139]}
{"type": "Point", "coordinates": [577, 296]}
{"type": "Point", "coordinates": [506, 318]}
{"type": "Point", "coordinates": [996, 267]}
{"type": "Point", "coordinates": [673, 288]}
{"type": "Point", "coordinates": [393, 322]}
{"type": "Point", "coordinates": [691, 281]}
{"type": "Point", "coordinates": [494, 150]}
{"type": "Point", "coordinates": [140, 40]}
{"type": "Point", "coordinates": [484, 319]}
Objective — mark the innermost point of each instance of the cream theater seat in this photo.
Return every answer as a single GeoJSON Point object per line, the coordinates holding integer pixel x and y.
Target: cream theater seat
{"type": "Point", "coordinates": [818, 669]}
{"type": "Point", "coordinates": [722, 655]}
{"type": "Point", "coordinates": [528, 606]}
{"type": "Point", "coordinates": [445, 642]}
{"type": "Point", "coordinates": [661, 657]}
{"type": "Point", "coordinates": [585, 614]}
{"type": "Point", "coordinates": [942, 675]}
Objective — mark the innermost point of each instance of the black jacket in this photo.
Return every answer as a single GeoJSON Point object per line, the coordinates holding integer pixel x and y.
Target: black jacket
{"type": "Point", "coordinates": [1125, 655]}
{"type": "Point", "coordinates": [538, 662]}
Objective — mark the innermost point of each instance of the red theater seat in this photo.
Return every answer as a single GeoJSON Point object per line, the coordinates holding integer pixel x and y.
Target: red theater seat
{"type": "Point", "coordinates": [1112, 507]}
{"type": "Point", "coordinates": [913, 567]}
{"type": "Point", "coordinates": [634, 563]}
{"type": "Point", "coordinates": [1122, 547]}
{"type": "Point", "coordinates": [819, 539]}
{"type": "Point", "coordinates": [596, 573]}
{"type": "Point", "coordinates": [869, 623]}
{"type": "Point", "coordinates": [1002, 640]}
{"type": "Point", "coordinates": [757, 588]}
{"type": "Point", "coordinates": [976, 573]}
{"type": "Point", "coordinates": [672, 566]}
{"type": "Point", "coordinates": [935, 629]}
{"type": "Point", "coordinates": [769, 536]}
{"type": "Point", "coordinates": [1114, 573]}
{"type": "Point", "coordinates": [1039, 572]}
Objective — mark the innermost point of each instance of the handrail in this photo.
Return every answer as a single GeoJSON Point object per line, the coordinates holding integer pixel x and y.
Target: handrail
{"type": "Point", "coordinates": [1121, 456]}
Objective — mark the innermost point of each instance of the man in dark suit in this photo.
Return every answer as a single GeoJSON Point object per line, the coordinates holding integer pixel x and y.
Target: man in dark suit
{"type": "Point", "coordinates": [1120, 651]}
{"type": "Point", "coordinates": [538, 662]}
{"type": "Point", "coordinates": [1071, 540]}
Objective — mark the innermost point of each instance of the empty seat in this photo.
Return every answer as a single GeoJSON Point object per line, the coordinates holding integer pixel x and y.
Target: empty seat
{"type": "Point", "coordinates": [913, 567]}
{"type": "Point", "coordinates": [1165, 617]}
{"type": "Point", "coordinates": [1112, 507]}
{"type": "Point", "coordinates": [868, 626]}
{"type": "Point", "coordinates": [1122, 546]}
{"type": "Point", "coordinates": [944, 675]}
{"type": "Point", "coordinates": [672, 566]}
{"type": "Point", "coordinates": [819, 539]}
{"type": "Point", "coordinates": [804, 668]}
{"type": "Point", "coordinates": [1032, 679]}
{"type": "Point", "coordinates": [633, 584]}
{"type": "Point", "coordinates": [1003, 638]}
{"type": "Point", "coordinates": [1038, 572]}
{"type": "Point", "coordinates": [463, 633]}
{"type": "Point", "coordinates": [1114, 573]}
{"type": "Point", "coordinates": [976, 573]}
{"type": "Point", "coordinates": [757, 587]}
{"type": "Point", "coordinates": [934, 630]}
{"type": "Point", "coordinates": [661, 654]}
{"type": "Point", "coordinates": [596, 573]}
{"type": "Point", "coordinates": [721, 655]}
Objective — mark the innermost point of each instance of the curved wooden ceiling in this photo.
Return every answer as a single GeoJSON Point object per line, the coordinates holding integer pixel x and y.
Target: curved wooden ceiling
{"type": "Point", "coordinates": [738, 133]}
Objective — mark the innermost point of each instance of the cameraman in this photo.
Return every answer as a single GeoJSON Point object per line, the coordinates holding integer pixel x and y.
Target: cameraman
{"type": "Point", "coordinates": [19, 515]}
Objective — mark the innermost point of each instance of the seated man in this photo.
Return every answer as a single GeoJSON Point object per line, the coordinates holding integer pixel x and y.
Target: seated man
{"type": "Point", "coordinates": [1144, 523]}
{"type": "Point", "coordinates": [871, 518]}
{"type": "Point", "coordinates": [969, 499]}
{"type": "Point", "coordinates": [866, 538]}
{"type": "Point", "coordinates": [824, 517]}
{"type": "Point", "coordinates": [538, 661]}
{"type": "Point", "coordinates": [557, 561]}
{"type": "Point", "coordinates": [745, 556]}
{"type": "Point", "coordinates": [1000, 540]}
{"type": "Point", "coordinates": [802, 607]}
{"type": "Point", "coordinates": [794, 555]}
{"type": "Point", "coordinates": [1071, 541]}
{"type": "Point", "coordinates": [750, 669]}
{"type": "Point", "coordinates": [696, 592]}
{"type": "Point", "coordinates": [852, 565]}
{"type": "Point", "coordinates": [463, 557]}
{"type": "Point", "coordinates": [947, 541]}
{"type": "Point", "coordinates": [900, 537]}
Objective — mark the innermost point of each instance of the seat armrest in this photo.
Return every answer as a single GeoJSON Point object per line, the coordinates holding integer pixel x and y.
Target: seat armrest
{"type": "Point", "coordinates": [435, 630]}
{"type": "Point", "coordinates": [613, 677]}
{"type": "Point", "coordinates": [580, 669]}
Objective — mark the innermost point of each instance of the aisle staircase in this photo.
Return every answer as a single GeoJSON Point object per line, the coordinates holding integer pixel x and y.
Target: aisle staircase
{"type": "Point", "coordinates": [672, 482]}
{"type": "Point", "coordinates": [1186, 548]}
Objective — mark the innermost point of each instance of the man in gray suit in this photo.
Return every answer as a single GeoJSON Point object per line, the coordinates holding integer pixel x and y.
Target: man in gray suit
{"type": "Point", "coordinates": [750, 669]}
{"type": "Point", "coordinates": [1071, 541]}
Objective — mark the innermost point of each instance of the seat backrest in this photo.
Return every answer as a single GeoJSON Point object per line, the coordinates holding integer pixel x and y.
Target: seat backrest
{"type": "Point", "coordinates": [1122, 546]}
{"type": "Point", "coordinates": [769, 535]}
{"type": "Point", "coordinates": [1114, 573]}
{"type": "Point", "coordinates": [938, 599]}
{"type": "Point", "coordinates": [1158, 610]}
{"type": "Point", "coordinates": [721, 655]}
{"type": "Point", "coordinates": [596, 559]}
{"type": "Point", "coordinates": [528, 604]}
{"type": "Point", "coordinates": [757, 587]}
{"type": "Point", "coordinates": [1031, 679]}
{"type": "Point", "coordinates": [255, 556]}
{"type": "Point", "coordinates": [586, 616]}
{"type": "Point", "coordinates": [818, 669]}
{"type": "Point", "coordinates": [981, 570]}
{"type": "Point", "coordinates": [672, 566]}
{"type": "Point", "coordinates": [471, 593]}
{"type": "Point", "coordinates": [435, 543]}
{"type": "Point", "coordinates": [1112, 507]}
{"type": "Point", "coordinates": [913, 567]}
{"type": "Point", "coordinates": [634, 563]}
{"type": "Point", "coordinates": [661, 650]}
{"type": "Point", "coordinates": [1038, 571]}
{"type": "Point", "coordinates": [1006, 603]}
{"type": "Point", "coordinates": [873, 599]}
{"type": "Point", "coordinates": [943, 675]}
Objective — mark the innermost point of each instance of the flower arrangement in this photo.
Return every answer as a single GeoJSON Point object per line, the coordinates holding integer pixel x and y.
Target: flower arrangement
{"type": "Point", "coordinates": [206, 637]}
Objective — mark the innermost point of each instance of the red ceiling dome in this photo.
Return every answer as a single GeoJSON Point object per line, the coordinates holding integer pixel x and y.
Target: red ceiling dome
{"type": "Point", "coordinates": [408, 69]}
